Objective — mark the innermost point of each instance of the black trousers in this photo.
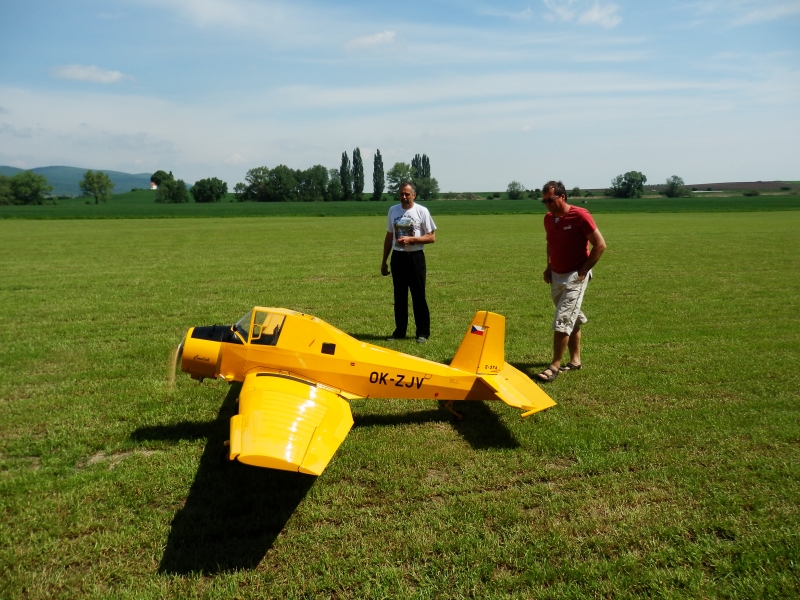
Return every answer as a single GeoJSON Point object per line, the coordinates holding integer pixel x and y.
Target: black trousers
{"type": "Point", "coordinates": [408, 273]}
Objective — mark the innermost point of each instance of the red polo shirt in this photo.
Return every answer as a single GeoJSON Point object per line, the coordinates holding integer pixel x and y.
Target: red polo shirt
{"type": "Point", "coordinates": [567, 240]}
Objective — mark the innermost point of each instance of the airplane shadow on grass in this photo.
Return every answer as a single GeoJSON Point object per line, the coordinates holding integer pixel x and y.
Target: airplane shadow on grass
{"type": "Point", "coordinates": [481, 428]}
{"type": "Point", "coordinates": [234, 512]}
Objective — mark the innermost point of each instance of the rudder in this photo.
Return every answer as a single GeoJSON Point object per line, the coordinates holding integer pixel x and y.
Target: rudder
{"type": "Point", "coordinates": [483, 348]}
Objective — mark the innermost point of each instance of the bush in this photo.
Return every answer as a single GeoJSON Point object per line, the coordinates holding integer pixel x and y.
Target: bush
{"type": "Point", "coordinates": [27, 187]}
{"type": "Point", "coordinates": [629, 185]}
{"type": "Point", "coordinates": [674, 188]}
{"type": "Point", "coordinates": [535, 194]}
{"type": "Point", "coordinates": [786, 188]}
{"type": "Point", "coordinates": [160, 177]}
{"type": "Point", "coordinates": [515, 190]}
{"type": "Point", "coordinates": [496, 195]}
{"type": "Point", "coordinates": [172, 192]}
{"type": "Point", "coordinates": [752, 193]}
{"type": "Point", "coordinates": [209, 190]}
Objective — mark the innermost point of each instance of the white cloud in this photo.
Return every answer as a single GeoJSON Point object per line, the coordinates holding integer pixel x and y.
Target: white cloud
{"type": "Point", "coordinates": [605, 16]}
{"type": "Point", "coordinates": [234, 159]}
{"type": "Point", "coordinates": [281, 23]}
{"type": "Point", "coordinates": [769, 12]}
{"type": "Point", "coordinates": [745, 12]}
{"type": "Point", "coordinates": [370, 41]}
{"type": "Point", "coordinates": [90, 73]}
{"type": "Point", "coordinates": [559, 10]}
{"type": "Point", "coordinates": [566, 10]}
{"type": "Point", "coordinates": [506, 14]}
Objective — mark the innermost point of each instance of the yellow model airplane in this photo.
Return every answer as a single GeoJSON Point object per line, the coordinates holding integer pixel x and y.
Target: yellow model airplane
{"type": "Point", "coordinates": [298, 373]}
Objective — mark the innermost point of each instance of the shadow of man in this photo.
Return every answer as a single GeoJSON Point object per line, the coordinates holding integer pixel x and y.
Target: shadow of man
{"type": "Point", "coordinates": [233, 512]}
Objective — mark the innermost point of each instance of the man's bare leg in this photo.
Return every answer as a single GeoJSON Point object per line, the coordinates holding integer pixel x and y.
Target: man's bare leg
{"type": "Point", "coordinates": [575, 345]}
{"type": "Point", "coordinates": [560, 341]}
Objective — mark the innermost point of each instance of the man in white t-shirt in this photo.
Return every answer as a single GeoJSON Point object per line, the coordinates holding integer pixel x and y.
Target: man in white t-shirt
{"type": "Point", "coordinates": [408, 228]}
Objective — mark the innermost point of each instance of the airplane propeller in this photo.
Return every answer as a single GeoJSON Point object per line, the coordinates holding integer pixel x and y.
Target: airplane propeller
{"type": "Point", "coordinates": [175, 362]}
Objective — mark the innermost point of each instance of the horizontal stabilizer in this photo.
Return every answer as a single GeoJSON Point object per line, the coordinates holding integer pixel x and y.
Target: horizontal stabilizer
{"type": "Point", "coordinates": [287, 423]}
{"type": "Point", "coordinates": [516, 389]}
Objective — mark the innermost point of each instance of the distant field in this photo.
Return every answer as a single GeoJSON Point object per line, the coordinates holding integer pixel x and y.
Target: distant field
{"type": "Point", "coordinates": [142, 205]}
{"type": "Point", "coordinates": [670, 467]}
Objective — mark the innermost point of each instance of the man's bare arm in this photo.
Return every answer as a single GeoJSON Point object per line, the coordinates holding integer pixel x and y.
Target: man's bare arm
{"type": "Point", "coordinates": [547, 275]}
{"type": "Point", "coordinates": [598, 247]}
{"type": "Point", "coordinates": [387, 247]}
{"type": "Point", "coordinates": [428, 238]}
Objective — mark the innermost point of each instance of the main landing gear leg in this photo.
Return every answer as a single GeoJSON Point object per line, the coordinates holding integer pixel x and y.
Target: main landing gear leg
{"type": "Point", "coordinates": [449, 407]}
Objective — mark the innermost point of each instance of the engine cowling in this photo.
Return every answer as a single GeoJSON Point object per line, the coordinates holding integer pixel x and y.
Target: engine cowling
{"type": "Point", "coordinates": [202, 352]}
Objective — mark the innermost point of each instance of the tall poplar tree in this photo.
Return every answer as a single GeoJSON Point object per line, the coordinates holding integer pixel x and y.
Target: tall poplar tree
{"type": "Point", "coordinates": [358, 174]}
{"type": "Point", "coordinates": [416, 168]}
{"type": "Point", "coordinates": [346, 177]}
{"type": "Point", "coordinates": [378, 179]}
{"type": "Point", "coordinates": [427, 186]}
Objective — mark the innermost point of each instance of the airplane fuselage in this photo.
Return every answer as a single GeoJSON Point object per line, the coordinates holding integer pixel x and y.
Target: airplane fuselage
{"type": "Point", "coordinates": [311, 349]}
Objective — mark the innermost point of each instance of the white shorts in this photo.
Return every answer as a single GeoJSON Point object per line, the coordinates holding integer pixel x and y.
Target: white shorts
{"type": "Point", "coordinates": [567, 291]}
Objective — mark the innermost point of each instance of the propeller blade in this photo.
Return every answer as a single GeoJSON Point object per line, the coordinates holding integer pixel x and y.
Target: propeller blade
{"type": "Point", "coordinates": [173, 366]}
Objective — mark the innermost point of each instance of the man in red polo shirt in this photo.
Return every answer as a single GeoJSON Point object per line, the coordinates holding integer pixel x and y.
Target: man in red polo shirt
{"type": "Point", "coordinates": [570, 230]}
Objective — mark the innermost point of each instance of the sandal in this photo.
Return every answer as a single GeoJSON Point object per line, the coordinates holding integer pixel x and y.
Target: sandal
{"type": "Point", "coordinates": [571, 367]}
{"type": "Point", "coordinates": [544, 377]}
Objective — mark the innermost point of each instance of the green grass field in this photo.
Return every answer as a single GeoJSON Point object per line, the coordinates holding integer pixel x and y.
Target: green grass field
{"type": "Point", "coordinates": [669, 468]}
{"type": "Point", "coordinates": [141, 205]}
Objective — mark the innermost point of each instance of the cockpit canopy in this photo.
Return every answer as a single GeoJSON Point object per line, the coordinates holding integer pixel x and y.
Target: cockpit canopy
{"type": "Point", "coordinates": [260, 327]}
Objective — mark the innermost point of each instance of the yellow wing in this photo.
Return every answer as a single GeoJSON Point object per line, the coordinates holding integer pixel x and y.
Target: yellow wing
{"type": "Point", "coordinates": [288, 423]}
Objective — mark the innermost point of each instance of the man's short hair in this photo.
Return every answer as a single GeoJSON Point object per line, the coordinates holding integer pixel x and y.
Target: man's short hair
{"type": "Point", "coordinates": [405, 183]}
{"type": "Point", "coordinates": [557, 187]}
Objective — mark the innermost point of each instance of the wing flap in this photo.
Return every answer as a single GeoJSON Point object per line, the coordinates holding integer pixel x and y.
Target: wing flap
{"type": "Point", "coordinates": [289, 424]}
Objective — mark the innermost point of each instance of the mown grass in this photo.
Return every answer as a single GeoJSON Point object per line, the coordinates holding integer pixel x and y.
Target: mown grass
{"type": "Point", "coordinates": [669, 467]}
{"type": "Point", "coordinates": [141, 205]}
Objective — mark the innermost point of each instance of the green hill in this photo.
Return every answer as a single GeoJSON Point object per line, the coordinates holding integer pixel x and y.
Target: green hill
{"type": "Point", "coordinates": [65, 179]}
{"type": "Point", "coordinates": [9, 171]}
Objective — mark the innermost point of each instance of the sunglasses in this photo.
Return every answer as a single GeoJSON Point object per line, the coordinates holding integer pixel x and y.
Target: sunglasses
{"type": "Point", "coordinates": [548, 200]}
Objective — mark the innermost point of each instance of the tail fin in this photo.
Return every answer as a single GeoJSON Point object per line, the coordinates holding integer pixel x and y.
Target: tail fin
{"type": "Point", "coordinates": [482, 351]}
{"type": "Point", "coordinates": [483, 348]}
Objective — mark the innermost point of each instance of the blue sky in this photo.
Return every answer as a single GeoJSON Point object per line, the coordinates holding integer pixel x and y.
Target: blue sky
{"type": "Point", "coordinates": [490, 91]}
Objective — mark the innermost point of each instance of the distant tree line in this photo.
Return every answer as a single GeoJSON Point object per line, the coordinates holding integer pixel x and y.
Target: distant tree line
{"type": "Point", "coordinates": [172, 191]}
{"type": "Point", "coordinates": [318, 184]}
{"type": "Point", "coordinates": [262, 184]}
{"type": "Point", "coordinates": [627, 185]}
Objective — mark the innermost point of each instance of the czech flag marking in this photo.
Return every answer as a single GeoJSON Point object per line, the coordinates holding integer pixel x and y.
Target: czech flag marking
{"type": "Point", "coordinates": [477, 330]}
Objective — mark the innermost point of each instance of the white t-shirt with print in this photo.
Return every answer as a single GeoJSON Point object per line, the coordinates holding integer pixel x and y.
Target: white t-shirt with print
{"type": "Point", "coordinates": [415, 221]}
